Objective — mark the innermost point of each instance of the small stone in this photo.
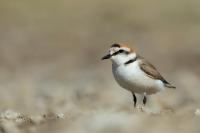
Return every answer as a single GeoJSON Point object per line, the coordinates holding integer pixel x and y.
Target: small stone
{"type": "Point", "coordinates": [60, 116]}
{"type": "Point", "coordinates": [197, 112]}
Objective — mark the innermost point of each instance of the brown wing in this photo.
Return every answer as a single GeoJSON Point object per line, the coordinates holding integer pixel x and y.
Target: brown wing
{"type": "Point", "coordinates": [152, 72]}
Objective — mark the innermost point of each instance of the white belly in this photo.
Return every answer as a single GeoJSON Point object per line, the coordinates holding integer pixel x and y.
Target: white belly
{"type": "Point", "coordinates": [132, 78]}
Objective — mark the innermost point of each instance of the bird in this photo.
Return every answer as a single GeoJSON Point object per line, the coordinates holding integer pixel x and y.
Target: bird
{"type": "Point", "coordinates": [134, 73]}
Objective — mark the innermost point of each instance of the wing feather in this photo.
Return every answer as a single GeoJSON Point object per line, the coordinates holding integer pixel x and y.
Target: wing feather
{"type": "Point", "coordinates": [152, 72]}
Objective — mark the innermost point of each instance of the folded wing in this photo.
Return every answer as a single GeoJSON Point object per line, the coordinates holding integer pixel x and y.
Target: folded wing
{"type": "Point", "coordinates": [152, 72]}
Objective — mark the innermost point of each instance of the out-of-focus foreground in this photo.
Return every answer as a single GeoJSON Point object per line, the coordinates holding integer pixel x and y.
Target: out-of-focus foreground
{"type": "Point", "coordinates": [50, 64]}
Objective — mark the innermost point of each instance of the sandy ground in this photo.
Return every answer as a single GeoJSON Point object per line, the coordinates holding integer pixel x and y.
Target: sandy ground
{"type": "Point", "coordinates": [52, 78]}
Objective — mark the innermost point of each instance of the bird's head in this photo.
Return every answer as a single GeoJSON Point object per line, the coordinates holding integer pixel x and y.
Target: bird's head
{"type": "Point", "coordinates": [120, 53]}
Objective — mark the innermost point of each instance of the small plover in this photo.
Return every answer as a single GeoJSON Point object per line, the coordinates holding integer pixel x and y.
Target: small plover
{"type": "Point", "coordinates": [135, 73]}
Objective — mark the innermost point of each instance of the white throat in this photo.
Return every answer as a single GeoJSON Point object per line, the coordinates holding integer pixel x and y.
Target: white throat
{"type": "Point", "coordinates": [121, 59]}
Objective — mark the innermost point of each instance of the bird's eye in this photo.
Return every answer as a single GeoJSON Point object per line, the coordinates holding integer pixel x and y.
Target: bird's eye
{"type": "Point", "coordinates": [121, 51]}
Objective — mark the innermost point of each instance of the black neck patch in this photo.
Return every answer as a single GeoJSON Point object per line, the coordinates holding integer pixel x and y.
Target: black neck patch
{"type": "Point", "coordinates": [131, 61]}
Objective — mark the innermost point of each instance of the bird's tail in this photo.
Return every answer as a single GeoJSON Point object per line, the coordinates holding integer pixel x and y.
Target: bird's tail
{"type": "Point", "coordinates": [170, 86]}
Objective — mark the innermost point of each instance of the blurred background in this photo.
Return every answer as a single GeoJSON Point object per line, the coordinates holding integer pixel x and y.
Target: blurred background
{"type": "Point", "coordinates": [50, 61]}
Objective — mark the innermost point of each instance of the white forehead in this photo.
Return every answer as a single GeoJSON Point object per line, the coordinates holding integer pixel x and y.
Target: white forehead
{"type": "Point", "coordinates": [113, 50]}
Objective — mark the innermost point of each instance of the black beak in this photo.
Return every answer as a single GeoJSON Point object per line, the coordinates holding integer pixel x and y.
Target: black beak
{"type": "Point", "coordinates": [106, 57]}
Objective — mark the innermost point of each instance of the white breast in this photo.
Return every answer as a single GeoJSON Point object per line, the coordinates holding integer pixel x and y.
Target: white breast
{"type": "Point", "coordinates": [132, 78]}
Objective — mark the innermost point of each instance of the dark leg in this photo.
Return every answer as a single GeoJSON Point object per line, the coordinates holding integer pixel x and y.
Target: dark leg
{"type": "Point", "coordinates": [144, 100]}
{"type": "Point", "coordinates": [134, 99]}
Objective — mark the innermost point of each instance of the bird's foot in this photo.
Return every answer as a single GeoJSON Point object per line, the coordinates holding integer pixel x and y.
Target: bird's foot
{"type": "Point", "coordinates": [140, 108]}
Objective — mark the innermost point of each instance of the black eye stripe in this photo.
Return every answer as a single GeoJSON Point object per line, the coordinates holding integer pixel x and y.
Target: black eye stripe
{"type": "Point", "coordinates": [123, 51]}
{"type": "Point", "coordinates": [120, 51]}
